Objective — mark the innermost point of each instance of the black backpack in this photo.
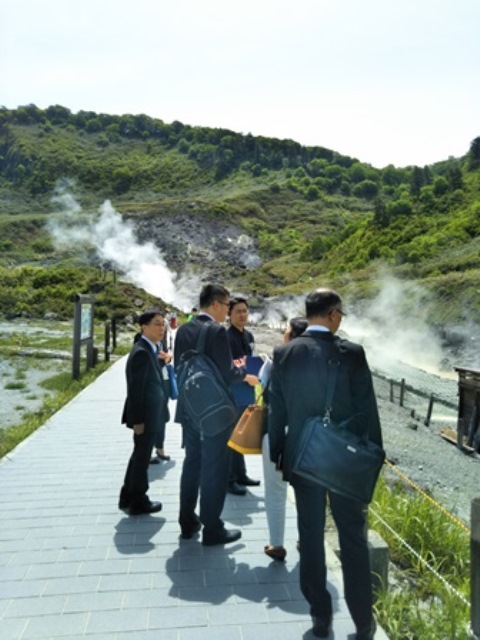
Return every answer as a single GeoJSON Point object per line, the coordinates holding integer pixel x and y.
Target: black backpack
{"type": "Point", "coordinates": [203, 396]}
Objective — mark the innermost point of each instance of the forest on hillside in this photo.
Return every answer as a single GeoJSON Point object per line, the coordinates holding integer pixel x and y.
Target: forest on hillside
{"type": "Point", "coordinates": [313, 214]}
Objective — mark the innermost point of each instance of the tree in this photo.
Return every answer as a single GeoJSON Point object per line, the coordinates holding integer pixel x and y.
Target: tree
{"type": "Point", "coordinates": [440, 186]}
{"type": "Point", "coordinates": [366, 189]}
{"type": "Point", "coordinates": [312, 193]}
{"type": "Point", "coordinates": [357, 172]}
{"type": "Point", "coordinates": [399, 208]}
{"type": "Point", "coordinates": [391, 176]}
{"type": "Point", "coordinates": [455, 178]}
{"type": "Point", "coordinates": [417, 181]}
{"type": "Point", "coordinates": [381, 216]}
{"type": "Point", "coordinates": [122, 179]}
{"type": "Point", "coordinates": [474, 155]}
{"type": "Point", "coordinates": [58, 114]}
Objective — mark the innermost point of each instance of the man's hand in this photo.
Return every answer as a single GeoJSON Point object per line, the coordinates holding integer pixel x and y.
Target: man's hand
{"type": "Point", "coordinates": [251, 380]}
{"type": "Point", "coordinates": [138, 429]}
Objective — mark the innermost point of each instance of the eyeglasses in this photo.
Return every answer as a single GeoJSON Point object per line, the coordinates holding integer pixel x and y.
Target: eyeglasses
{"type": "Point", "coordinates": [342, 313]}
{"type": "Point", "coordinates": [225, 304]}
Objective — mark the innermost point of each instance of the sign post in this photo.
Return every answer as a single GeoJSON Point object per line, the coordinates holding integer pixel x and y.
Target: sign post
{"type": "Point", "coordinates": [82, 331]}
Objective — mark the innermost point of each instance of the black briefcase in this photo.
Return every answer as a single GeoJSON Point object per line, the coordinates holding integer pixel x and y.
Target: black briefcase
{"type": "Point", "coordinates": [339, 457]}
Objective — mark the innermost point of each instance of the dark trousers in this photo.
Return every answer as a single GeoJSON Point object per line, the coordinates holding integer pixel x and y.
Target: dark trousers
{"type": "Point", "coordinates": [161, 428]}
{"type": "Point", "coordinates": [351, 521]}
{"type": "Point", "coordinates": [135, 484]}
{"type": "Point", "coordinates": [238, 468]}
{"type": "Point", "coordinates": [204, 473]}
{"type": "Point", "coordinates": [160, 435]}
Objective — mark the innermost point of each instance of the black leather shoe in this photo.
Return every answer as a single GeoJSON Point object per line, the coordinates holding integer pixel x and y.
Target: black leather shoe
{"type": "Point", "coordinates": [123, 501]}
{"type": "Point", "coordinates": [368, 633]}
{"type": "Point", "coordinates": [321, 627]}
{"type": "Point", "coordinates": [248, 482]}
{"type": "Point", "coordinates": [188, 531]}
{"type": "Point", "coordinates": [228, 535]}
{"type": "Point", "coordinates": [147, 507]}
{"type": "Point", "coordinates": [236, 489]}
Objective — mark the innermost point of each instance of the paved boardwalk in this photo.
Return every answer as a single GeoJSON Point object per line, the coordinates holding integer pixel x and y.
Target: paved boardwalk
{"type": "Point", "coordinates": [73, 566]}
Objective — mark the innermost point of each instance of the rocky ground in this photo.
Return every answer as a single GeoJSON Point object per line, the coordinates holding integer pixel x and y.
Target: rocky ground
{"type": "Point", "coordinates": [207, 245]}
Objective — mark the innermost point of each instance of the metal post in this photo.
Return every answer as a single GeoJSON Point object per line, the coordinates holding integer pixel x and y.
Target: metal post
{"type": "Point", "coordinates": [391, 391]}
{"type": "Point", "coordinates": [107, 342]}
{"type": "Point", "coordinates": [473, 426]}
{"type": "Point", "coordinates": [90, 348]}
{"type": "Point", "coordinates": [114, 334]}
{"type": "Point", "coordinates": [460, 432]}
{"type": "Point", "coordinates": [402, 391]}
{"type": "Point", "coordinates": [475, 568]}
{"type": "Point", "coordinates": [77, 313]}
{"type": "Point", "coordinates": [426, 422]}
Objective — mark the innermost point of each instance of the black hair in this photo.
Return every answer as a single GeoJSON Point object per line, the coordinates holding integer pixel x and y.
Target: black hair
{"type": "Point", "coordinates": [237, 300]}
{"type": "Point", "coordinates": [147, 316]}
{"type": "Point", "coordinates": [321, 302]}
{"type": "Point", "coordinates": [211, 293]}
{"type": "Point", "coordinates": [297, 326]}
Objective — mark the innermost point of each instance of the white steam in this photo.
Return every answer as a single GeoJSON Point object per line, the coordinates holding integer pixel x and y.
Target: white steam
{"type": "Point", "coordinates": [394, 327]}
{"type": "Point", "coordinates": [115, 242]}
{"type": "Point", "coordinates": [278, 311]}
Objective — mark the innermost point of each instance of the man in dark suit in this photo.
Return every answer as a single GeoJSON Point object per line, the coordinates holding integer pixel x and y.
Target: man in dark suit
{"type": "Point", "coordinates": [297, 392]}
{"type": "Point", "coordinates": [143, 412]}
{"type": "Point", "coordinates": [205, 467]}
{"type": "Point", "coordinates": [242, 343]}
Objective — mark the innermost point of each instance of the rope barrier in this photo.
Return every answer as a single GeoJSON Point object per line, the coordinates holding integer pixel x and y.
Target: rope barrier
{"type": "Point", "coordinates": [441, 508]}
{"type": "Point", "coordinates": [419, 557]}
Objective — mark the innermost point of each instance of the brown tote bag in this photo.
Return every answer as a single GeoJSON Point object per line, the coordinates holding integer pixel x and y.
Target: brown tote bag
{"type": "Point", "coordinates": [248, 432]}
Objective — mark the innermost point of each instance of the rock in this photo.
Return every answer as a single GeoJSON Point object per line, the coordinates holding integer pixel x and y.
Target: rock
{"type": "Point", "coordinates": [50, 315]}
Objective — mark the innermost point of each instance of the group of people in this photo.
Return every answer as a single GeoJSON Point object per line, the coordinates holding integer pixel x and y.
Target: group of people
{"type": "Point", "coordinates": [294, 387]}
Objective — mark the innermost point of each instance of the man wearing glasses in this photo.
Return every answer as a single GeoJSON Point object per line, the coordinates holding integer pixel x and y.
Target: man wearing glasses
{"type": "Point", "coordinates": [298, 390]}
{"type": "Point", "coordinates": [206, 463]}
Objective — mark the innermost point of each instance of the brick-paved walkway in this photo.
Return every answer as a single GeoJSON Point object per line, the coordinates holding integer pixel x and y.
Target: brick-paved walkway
{"type": "Point", "coordinates": [73, 566]}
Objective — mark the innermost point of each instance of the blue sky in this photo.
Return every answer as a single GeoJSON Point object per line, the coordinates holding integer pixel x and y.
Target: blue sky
{"type": "Point", "coordinates": [381, 81]}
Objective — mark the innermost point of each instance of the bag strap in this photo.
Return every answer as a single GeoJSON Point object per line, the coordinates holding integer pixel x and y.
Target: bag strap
{"type": "Point", "coordinates": [331, 384]}
{"type": "Point", "coordinates": [259, 399]}
{"type": "Point", "coordinates": [202, 338]}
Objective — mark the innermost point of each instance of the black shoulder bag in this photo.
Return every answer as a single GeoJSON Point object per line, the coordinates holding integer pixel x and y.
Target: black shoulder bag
{"type": "Point", "coordinates": [339, 457]}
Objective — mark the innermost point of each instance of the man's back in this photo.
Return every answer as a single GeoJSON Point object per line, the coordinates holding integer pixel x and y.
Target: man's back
{"type": "Point", "coordinates": [299, 385]}
{"type": "Point", "coordinates": [216, 346]}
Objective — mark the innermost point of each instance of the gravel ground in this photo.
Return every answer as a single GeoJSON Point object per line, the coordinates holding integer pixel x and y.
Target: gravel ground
{"type": "Point", "coordinates": [419, 452]}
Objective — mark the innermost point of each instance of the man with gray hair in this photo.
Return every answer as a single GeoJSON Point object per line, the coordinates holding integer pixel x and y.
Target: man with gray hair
{"type": "Point", "coordinates": [298, 391]}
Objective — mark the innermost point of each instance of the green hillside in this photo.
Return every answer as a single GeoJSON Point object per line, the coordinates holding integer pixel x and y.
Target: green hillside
{"type": "Point", "coordinates": [317, 216]}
